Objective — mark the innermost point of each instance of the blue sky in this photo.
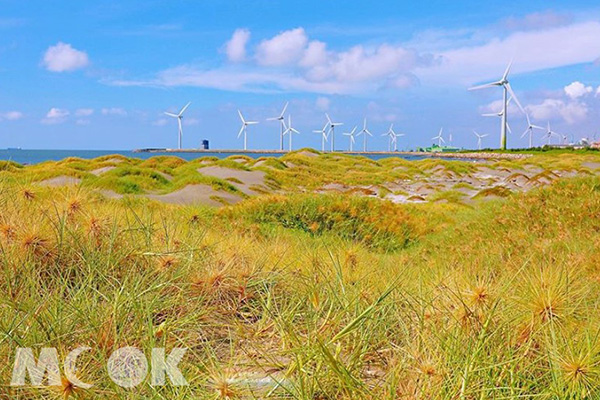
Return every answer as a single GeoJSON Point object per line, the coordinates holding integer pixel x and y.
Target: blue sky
{"type": "Point", "coordinates": [77, 75]}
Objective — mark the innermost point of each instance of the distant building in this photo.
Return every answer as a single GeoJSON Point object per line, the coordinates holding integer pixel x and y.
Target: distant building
{"type": "Point", "coordinates": [438, 149]}
{"type": "Point", "coordinates": [205, 144]}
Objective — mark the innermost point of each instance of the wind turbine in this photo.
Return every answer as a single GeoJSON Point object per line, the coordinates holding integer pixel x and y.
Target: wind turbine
{"type": "Point", "coordinates": [391, 138]}
{"type": "Point", "coordinates": [479, 137]}
{"type": "Point", "coordinates": [351, 136]}
{"type": "Point", "coordinates": [550, 132]}
{"type": "Point", "coordinates": [179, 118]}
{"type": "Point", "coordinates": [500, 115]}
{"type": "Point", "coordinates": [281, 120]}
{"type": "Point", "coordinates": [289, 130]}
{"type": "Point", "coordinates": [365, 132]}
{"type": "Point", "coordinates": [507, 89]}
{"type": "Point", "coordinates": [324, 135]}
{"type": "Point", "coordinates": [530, 128]}
{"type": "Point", "coordinates": [244, 128]}
{"type": "Point", "coordinates": [332, 126]}
{"type": "Point", "coordinates": [439, 138]}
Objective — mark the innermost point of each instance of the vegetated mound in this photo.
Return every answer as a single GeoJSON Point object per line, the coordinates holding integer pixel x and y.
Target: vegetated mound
{"type": "Point", "coordinates": [379, 225]}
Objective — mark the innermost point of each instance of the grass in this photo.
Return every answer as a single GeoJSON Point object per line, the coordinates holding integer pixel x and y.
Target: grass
{"type": "Point", "coordinates": [331, 295]}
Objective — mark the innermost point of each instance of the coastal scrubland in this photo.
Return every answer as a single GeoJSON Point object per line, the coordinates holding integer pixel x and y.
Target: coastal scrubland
{"type": "Point", "coordinates": [309, 276]}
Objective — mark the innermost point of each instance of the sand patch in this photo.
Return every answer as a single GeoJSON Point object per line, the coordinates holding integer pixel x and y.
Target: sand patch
{"type": "Point", "coordinates": [248, 179]}
{"type": "Point", "coordinates": [110, 194]}
{"type": "Point", "coordinates": [196, 194]}
{"type": "Point", "coordinates": [103, 170]}
{"type": "Point", "coordinates": [61, 181]}
{"type": "Point", "coordinates": [308, 154]}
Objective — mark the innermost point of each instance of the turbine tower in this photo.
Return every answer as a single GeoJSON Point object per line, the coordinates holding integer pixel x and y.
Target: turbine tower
{"type": "Point", "coordinates": [479, 137]}
{"type": "Point", "coordinates": [290, 131]}
{"type": "Point", "coordinates": [365, 132]}
{"type": "Point", "coordinates": [179, 118]}
{"type": "Point", "coordinates": [507, 89]}
{"type": "Point", "coordinates": [530, 128]}
{"type": "Point", "coordinates": [332, 126]}
{"type": "Point", "coordinates": [244, 129]}
{"type": "Point", "coordinates": [324, 135]}
{"type": "Point", "coordinates": [351, 136]}
{"type": "Point", "coordinates": [281, 120]}
{"type": "Point", "coordinates": [439, 138]}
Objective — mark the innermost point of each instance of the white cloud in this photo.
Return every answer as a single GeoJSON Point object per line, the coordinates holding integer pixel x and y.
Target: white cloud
{"type": "Point", "coordinates": [84, 112]}
{"type": "Point", "coordinates": [552, 109]}
{"type": "Point", "coordinates": [577, 89]}
{"type": "Point", "coordinates": [290, 62]}
{"type": "Point", "coordinates": [114, 111]}
{"type": "Point", "coordinates": [56, 116]}
{"type": "Point", "coordinates": [235, 48]}
{"type": "Point", "coordinates": [532, 51]}
{"type": "Point", "coordinates": [191, 121]}
{"type": "Point", "coordinates": [160, 122]}
{"type": "Point", "coordinates": [283, 49]}
{"type": "Point", "coordinates": [11, 116]}
{"type": "Point", "coordinates": [323, 103]}
{"type": "Point", "coordinates": [62, 58]}
{"type": "Point", "coordinates": [598, 91]}
{"type": "Point", "coordinates": [82, 122]}
{"type": "Point", "coordinates": [497, 105]}
{"type": "Point", "coordinates": [537, 20]}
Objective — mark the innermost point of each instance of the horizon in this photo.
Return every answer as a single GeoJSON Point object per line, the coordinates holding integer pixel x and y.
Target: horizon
{"type": "Point", "coordinates": [100, 77]}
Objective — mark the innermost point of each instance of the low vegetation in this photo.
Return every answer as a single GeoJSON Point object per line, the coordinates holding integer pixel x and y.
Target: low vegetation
{"type": "Point", "coordinates": [307, 295]}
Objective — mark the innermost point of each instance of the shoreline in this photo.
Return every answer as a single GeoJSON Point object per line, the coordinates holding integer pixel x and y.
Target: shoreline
{"type": "Point", "coordinates": [470, 155]}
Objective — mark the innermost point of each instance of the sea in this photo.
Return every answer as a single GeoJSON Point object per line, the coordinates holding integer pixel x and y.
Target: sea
{"type": "Point", "coordinates": [25, 156]}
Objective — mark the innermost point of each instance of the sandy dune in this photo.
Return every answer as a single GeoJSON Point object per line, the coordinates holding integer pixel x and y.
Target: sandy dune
{"type": "Point", "coordinates": [62, 180]}
{"type": "Point", "coordinates": [196, 194]}
{"type": "Point", "coordinates": [249, 179]}
{"type": "Point", "coordinates": [102, 170]}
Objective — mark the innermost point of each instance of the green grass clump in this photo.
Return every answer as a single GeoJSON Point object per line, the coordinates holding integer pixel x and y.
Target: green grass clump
{"type": "Point", "coordinates": [379, 225]}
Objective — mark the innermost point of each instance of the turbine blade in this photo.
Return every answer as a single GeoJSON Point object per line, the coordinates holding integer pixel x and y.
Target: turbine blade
{"type": "Point", "coordinates": [507, 71]}
{"type": "Point", "coordinates": [240, 132]}
{"type": "Point", "coordinates": [485, 85]}
{"type": "Point", "coordinates": [241, 117]}
{"type": "Point", "coordinates": [514, 96]}
{"type": "Point", "coordinates": [284, 108]}
{"type": "Point", "coordinates": [172, 115]}
{"type": "Point", "coordinates": [184, 108]}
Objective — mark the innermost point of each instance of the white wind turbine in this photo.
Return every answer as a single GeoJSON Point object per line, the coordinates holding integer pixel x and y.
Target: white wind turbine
{"type": "Point", "coordinates": [332, 126]}
{"type": "Point", "coordinates": [392, 138]}
{"type": "Point", "coordinates": [529, 130]}
{"type": "Point", "coordinates": [244, 128]}
{"type": "Point", "coordinates": [179, 118]}
{"type": "Point", "coordinates": [439, 138]}
{"type": "Point", "coordinates": [324, 136]}
{"type": "Point", "coordinates": [351, 136]}
{"type": "Point", "coordinates": [479, 137]}
{"type": "Point", "coordinates": [290, 131]}
{"type": "Point", "coordinates": [550, 133]}
{"type": "Point", "coordinates": [365, 132]}
{"type": "Point", "coordinates": [507, 89]}
{"type": "Point", "coordinates": [281, 120]}
{"type": "Point", "coordinates": [500, 115]}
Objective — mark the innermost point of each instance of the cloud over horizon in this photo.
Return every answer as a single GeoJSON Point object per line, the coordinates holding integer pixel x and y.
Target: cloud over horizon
{"type": "Point", "coordinates": [62, 57]}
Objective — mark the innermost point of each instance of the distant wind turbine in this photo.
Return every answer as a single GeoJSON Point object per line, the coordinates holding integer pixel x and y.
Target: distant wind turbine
{"type": "Point", "coordinates": [351, 136]}
{"type": "Point", "coordinates": [179, 118]}
{"type": "Point", "coordinates": [529, 130]}
{"type": "Point", "coordinates": [324, 136]}
{"type": "Point", "coordinates": [332, 126]}
{"type": "Point", "coordinates": [439, 138]}
{"type": "Point", "coordinates": [550, 133]}
{"type": "Point", "coordinates": [290, 131]}
{"type": "Point", "coordinates": [392, 138]}
{"type": "Point", "coordinates": [281, 120]}
{"type": "Point", "coordinates": [507, 89]}
{"type": "Point", "coordinates": [479, 137]}
{"type": "Point", "coordinates": [244, 129]}
{"type": "Point", "coordinates": [365, 132]}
